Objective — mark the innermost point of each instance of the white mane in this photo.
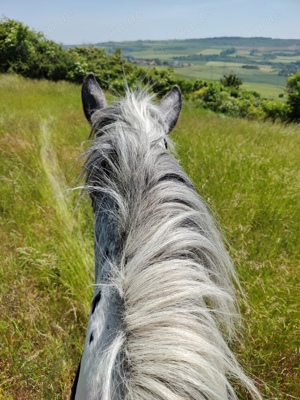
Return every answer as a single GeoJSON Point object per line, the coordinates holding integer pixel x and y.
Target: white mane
{"type": "Point", "coordinates": [166, 314]}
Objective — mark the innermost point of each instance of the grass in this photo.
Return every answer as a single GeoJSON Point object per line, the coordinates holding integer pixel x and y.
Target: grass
{"type": "Point", "coordinates": [249, 174]}
{"type": "Point", "coordinates": [267, 91]}
{"type": "Point", "coordinates": [247, 171]}
{"type": "Point", "coordinates": [46, 244]}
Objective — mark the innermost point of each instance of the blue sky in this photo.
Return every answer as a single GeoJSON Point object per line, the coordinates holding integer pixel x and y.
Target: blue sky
{"type": "Point", "coordinates": [92, 21]}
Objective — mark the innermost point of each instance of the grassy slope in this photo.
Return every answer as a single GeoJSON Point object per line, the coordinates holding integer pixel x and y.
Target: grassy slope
{"type": "Point", "coordinates": [247, 171]}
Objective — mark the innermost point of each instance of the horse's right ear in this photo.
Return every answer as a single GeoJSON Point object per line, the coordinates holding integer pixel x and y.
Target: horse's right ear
{"type": "Point", "coordinates": [93, 98]}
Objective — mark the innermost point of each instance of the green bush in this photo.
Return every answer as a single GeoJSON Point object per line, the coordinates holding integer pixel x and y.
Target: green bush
{"type": "Point", "coordinates": [29, 53]}
{"type": "Point", "coordinates": [186, 85]}
{"type": "Point", "coordinates": [293, 100]}
{"type": "Point", "coordinates": [276, 110]}
{"type": "Point", "coordinates": [231, 80]}
{"type": "Point", "coordinates": [210, 96]}
{"type": "Point", "coordinates": [199, 84]}
{"type": "Point", "coordinates": [229, 100]}
{"type": "Point", "coordinates": [161, 80]}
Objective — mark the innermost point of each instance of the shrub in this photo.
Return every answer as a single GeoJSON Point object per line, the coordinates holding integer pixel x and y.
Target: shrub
{"type": "Point", "coordinates": [231, 80]}
{"type": "Point", "coordinates": [276, 110]}
{"type": "Point", "coordinates": [293, 100]}
{"type": "Point", "coordinates": [229, 100]}
{"type": "Point", "coordinates": [186, 85]}
{"type": "Point", "coordinates": [30, 54]}
{"type": "Point", "coordinates": [161, 80]}
{"type": "Point", "coordinates": [199, 84]}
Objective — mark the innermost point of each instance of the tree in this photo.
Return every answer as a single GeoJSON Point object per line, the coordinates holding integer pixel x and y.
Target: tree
{"type": "Point", "coordinates": [293, 100]}
{"type": "Point", "coordinates": [231, 80]}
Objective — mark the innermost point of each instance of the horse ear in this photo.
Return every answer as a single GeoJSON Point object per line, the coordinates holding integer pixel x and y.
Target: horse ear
{"type": "Point", "coordinates": [93, 98]}
{"type": "Point", "coordinates": [171, 106]}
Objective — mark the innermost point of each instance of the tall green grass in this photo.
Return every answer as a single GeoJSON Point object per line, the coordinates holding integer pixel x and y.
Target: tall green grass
{"type": "Point", "coordinates": [46, 242]}
{"type": "Point", "coordinates": [248, 172]}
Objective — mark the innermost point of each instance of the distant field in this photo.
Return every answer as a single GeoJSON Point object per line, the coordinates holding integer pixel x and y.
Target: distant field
{"type": "Point", "coordinates": [253, 79]}
{"type": "Point", "coordinates": [265, 53]}
{"type": "Point", "coordinates": [210, 51]}
{"type": "Point", "coordinates": [268, 91]}
{"type": "Point", "coordinates": [287, 59]}
{"type": "Point", "coordinates": [225, 65]}
{"type": "Point", "coordinates": [191, 46]}
{"type": "Point", "coordinates": [266, 83]}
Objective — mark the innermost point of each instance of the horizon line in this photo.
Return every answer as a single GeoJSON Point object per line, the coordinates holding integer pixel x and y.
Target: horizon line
{"type": "Point", "coordinates": [181, 40]}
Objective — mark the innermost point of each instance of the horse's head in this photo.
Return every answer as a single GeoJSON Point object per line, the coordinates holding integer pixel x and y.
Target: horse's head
{"type": "Point", "coordinates": [93, 100]}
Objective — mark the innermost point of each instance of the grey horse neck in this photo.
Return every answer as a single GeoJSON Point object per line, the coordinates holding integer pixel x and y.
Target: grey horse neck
{"type": "Point", "coordinates": [105, 321]}
{"type": "Point", "coordinates": [107, 241]}
{"type": "Point", "coordinates": [164, 304]}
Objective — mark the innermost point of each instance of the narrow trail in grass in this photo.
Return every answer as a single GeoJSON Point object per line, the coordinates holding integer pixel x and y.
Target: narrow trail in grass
{"type": "Point", "coordinates": [54, 175]}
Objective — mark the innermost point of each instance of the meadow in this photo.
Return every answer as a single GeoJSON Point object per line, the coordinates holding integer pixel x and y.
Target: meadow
{"type": "Point", "coordinates": [247, 171]}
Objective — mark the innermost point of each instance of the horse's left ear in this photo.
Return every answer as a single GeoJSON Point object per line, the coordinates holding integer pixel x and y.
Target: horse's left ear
{"type": "Point", "coordinates": [93, 98]}
{"type": "Point", "coordinates": [171, 106]}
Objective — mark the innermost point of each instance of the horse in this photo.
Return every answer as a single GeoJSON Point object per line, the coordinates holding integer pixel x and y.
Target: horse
{"type": "Point", "coordinates": [164, 303]}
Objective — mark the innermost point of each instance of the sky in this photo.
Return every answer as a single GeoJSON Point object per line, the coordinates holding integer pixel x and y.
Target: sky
{"type": "Point", "coordinates": [94, 21]}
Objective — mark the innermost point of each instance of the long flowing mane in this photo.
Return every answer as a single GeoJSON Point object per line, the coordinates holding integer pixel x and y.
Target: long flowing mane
{"type": "Point", "coordinates": [164, 306]}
